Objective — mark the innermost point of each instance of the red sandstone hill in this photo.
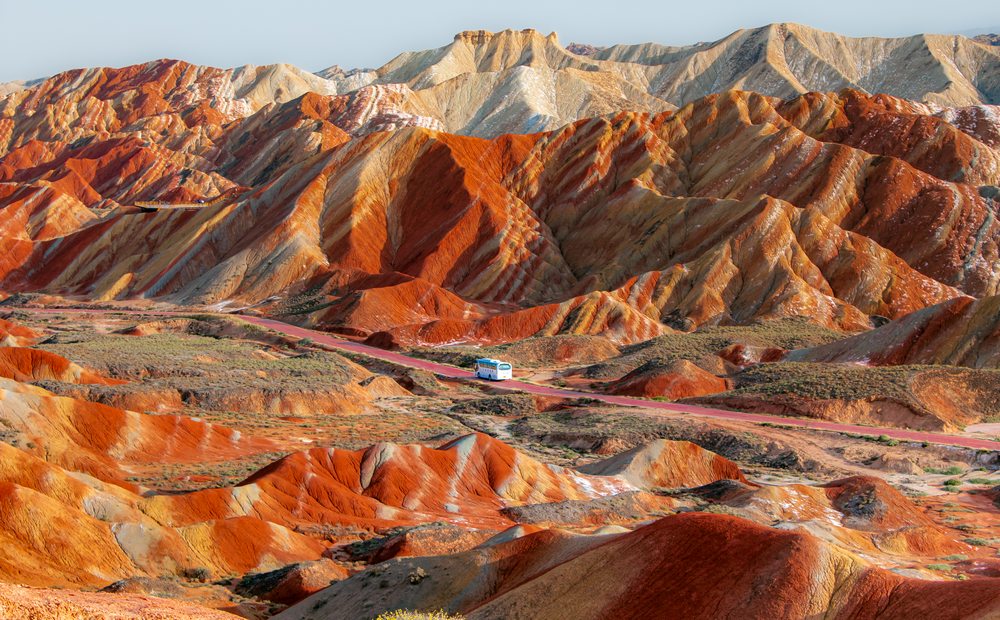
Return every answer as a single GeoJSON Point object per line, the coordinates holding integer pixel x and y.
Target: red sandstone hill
{"type": "Point", "coordinates": [106, 442]}
{"type": "Point", "coordinates": [680, 379]}
{"type": "Point", "coordinates": [667, 464]}
{"type": "Point", "coordinates": [961, 332]}
{"type": "Point", "coordinates": [23, 364]}
{"type": "Point", "coordinates": [741, 569]}
{"type": "Point", "coordinates": [467, 481]}
{"type": "Point", "coordinates": [735, 208]}
{"type": "Point", "coordinates": [14, 335]}
{"type": "Point", "coordinates": [62, 528]}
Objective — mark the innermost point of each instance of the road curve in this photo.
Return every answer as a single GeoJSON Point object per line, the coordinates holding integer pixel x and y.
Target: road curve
{"type": "Point", "coordinates": [544, 390]}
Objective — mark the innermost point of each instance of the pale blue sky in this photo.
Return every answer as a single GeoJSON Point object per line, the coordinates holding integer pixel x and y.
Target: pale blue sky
{"type": "Point", "coordinates": [44, 37]}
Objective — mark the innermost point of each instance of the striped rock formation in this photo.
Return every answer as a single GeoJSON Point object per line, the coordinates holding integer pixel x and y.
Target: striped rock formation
{"type": "Point", "coordinates": [467, 481]}
{"type": "Point", "coordinates": [959, 332]}
{"type": "Point", "coordinates": [25, 365]}
{"type": "Point", "coordinates": [735, 208]}
{"type": "Point", "coordinates": [107, 442]}
{"type": "Point", "coordinates": [62, 528]}
{"type": "Point", "coordinates": [14, 335]}
{"type": "Point", "coordinates": [742, 570]}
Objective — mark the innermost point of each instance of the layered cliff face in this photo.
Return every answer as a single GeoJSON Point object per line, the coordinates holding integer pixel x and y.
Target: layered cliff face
{"type": "Point", "coordinates": [735, 208]}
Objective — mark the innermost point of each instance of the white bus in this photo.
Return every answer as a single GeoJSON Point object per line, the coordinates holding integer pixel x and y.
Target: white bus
{"type": "Point", "coordinates": [494, 370]}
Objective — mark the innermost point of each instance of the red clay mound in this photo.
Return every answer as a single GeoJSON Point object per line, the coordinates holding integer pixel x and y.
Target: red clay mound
{"type": "Point", "coordinates": [895, 524]}
{"type": "Point", "coordinates": [66, 529]}
{"type": "Point", "coordinates": [870, 503]}
{"type": "Point", "coordinates": [22, 364]}
{"type": "Point", "coordinates": [691, 565]}
{"type": "Point", "coordinates": [745, 355]}
{"type": "Point", "coordinates": [243, 544]}
{"type": "Point", "coordinates": [14, 335]}
{"type": "Point", "coordinates": [43, 543]}
{"type": "Point", "coordinates": [428, 539]}
{"type": "Point", "coordinates": [104, 441]}
{"type": "Point", "coordinates": [680, 379]}
{"type": "Point", "coordinates": [667, 464]}
{"type": "Point", "coordinates": [290, 584]}
{"type": "Point", "coordinates": [466, 481]}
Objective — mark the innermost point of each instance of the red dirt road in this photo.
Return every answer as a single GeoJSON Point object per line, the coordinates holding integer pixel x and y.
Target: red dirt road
{"type": "Point", "coordinates": [544, 390]}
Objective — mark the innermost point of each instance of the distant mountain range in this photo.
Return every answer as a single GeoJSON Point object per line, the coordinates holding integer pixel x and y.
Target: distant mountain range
{"type": "Point", "coordinates": [487, 84]}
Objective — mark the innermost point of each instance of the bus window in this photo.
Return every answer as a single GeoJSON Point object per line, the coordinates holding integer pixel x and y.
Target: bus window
{"type": "Point", "coordinates": [504, 366]}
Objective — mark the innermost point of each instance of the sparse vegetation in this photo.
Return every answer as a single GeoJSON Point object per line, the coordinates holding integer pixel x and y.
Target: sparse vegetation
{"type": "Point", "coordinates": [788, 333]}
{"type": "Point", "coordinates": [722, 509]}
{"type": "Point", "coordinates": [980, 542]}
{"type": "Point", "coordinates": [200, 574]}
{"type": "Point", "coordinates": [825, 381]}
{"type": "Point", "coordinates": [952, 470]}
{"type": "Point", "coordinates": [527, 353]}
{"type": "Point", "coordinates": [401, 614]}
{"type": "Point", "coordinates": [945, 568]}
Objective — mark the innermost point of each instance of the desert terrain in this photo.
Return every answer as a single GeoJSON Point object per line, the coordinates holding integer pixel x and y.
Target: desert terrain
{"type": "Point", "coordinates": [750, 290]}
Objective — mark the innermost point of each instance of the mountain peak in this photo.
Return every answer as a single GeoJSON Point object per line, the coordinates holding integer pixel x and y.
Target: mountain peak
{"type": "Point", "coordinates": [482, 37]}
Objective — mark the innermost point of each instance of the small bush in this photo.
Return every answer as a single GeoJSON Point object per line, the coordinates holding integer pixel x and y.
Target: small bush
{"type": "Point", "coordinates": [982, 481]}
{"type": "Point", "coordinates": [957, 557]}
{"type": "Point", "coordinates": [402, 614]}
{"type": "Point", "coordinates": [941, 567]}
{"type": "Point", "coordinates": [201, 574]}
{"type": "Point", "coordinates": [954, 470]}
{"type": "Point", "coordinates": [977, 542]}
{"type": "Point", "coordinates": [952, 482]}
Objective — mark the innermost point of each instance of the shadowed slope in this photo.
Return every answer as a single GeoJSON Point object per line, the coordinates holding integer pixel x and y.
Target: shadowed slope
{"type": "Point", "coordinates": [961, 332]}
{"type": "Point", "coordinates": [741, 569]}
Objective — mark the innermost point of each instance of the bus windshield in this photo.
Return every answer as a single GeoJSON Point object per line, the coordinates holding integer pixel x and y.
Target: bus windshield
{"type": "Point", "coordinates": [504, 366]}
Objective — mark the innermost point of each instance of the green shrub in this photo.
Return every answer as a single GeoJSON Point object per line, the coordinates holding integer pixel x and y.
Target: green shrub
{"type": "Point", "coordinates": [941, 567]}
{"type": "Point", "coordinates": [957, 557]}
{"type": "Point", "coordinates": [952, 482]}
{"type": "Point", "coordinates": [954, 470]}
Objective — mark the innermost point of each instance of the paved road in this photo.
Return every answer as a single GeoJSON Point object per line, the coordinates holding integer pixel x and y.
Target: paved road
{"type": "Point", "coordinates": [544, 390]}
